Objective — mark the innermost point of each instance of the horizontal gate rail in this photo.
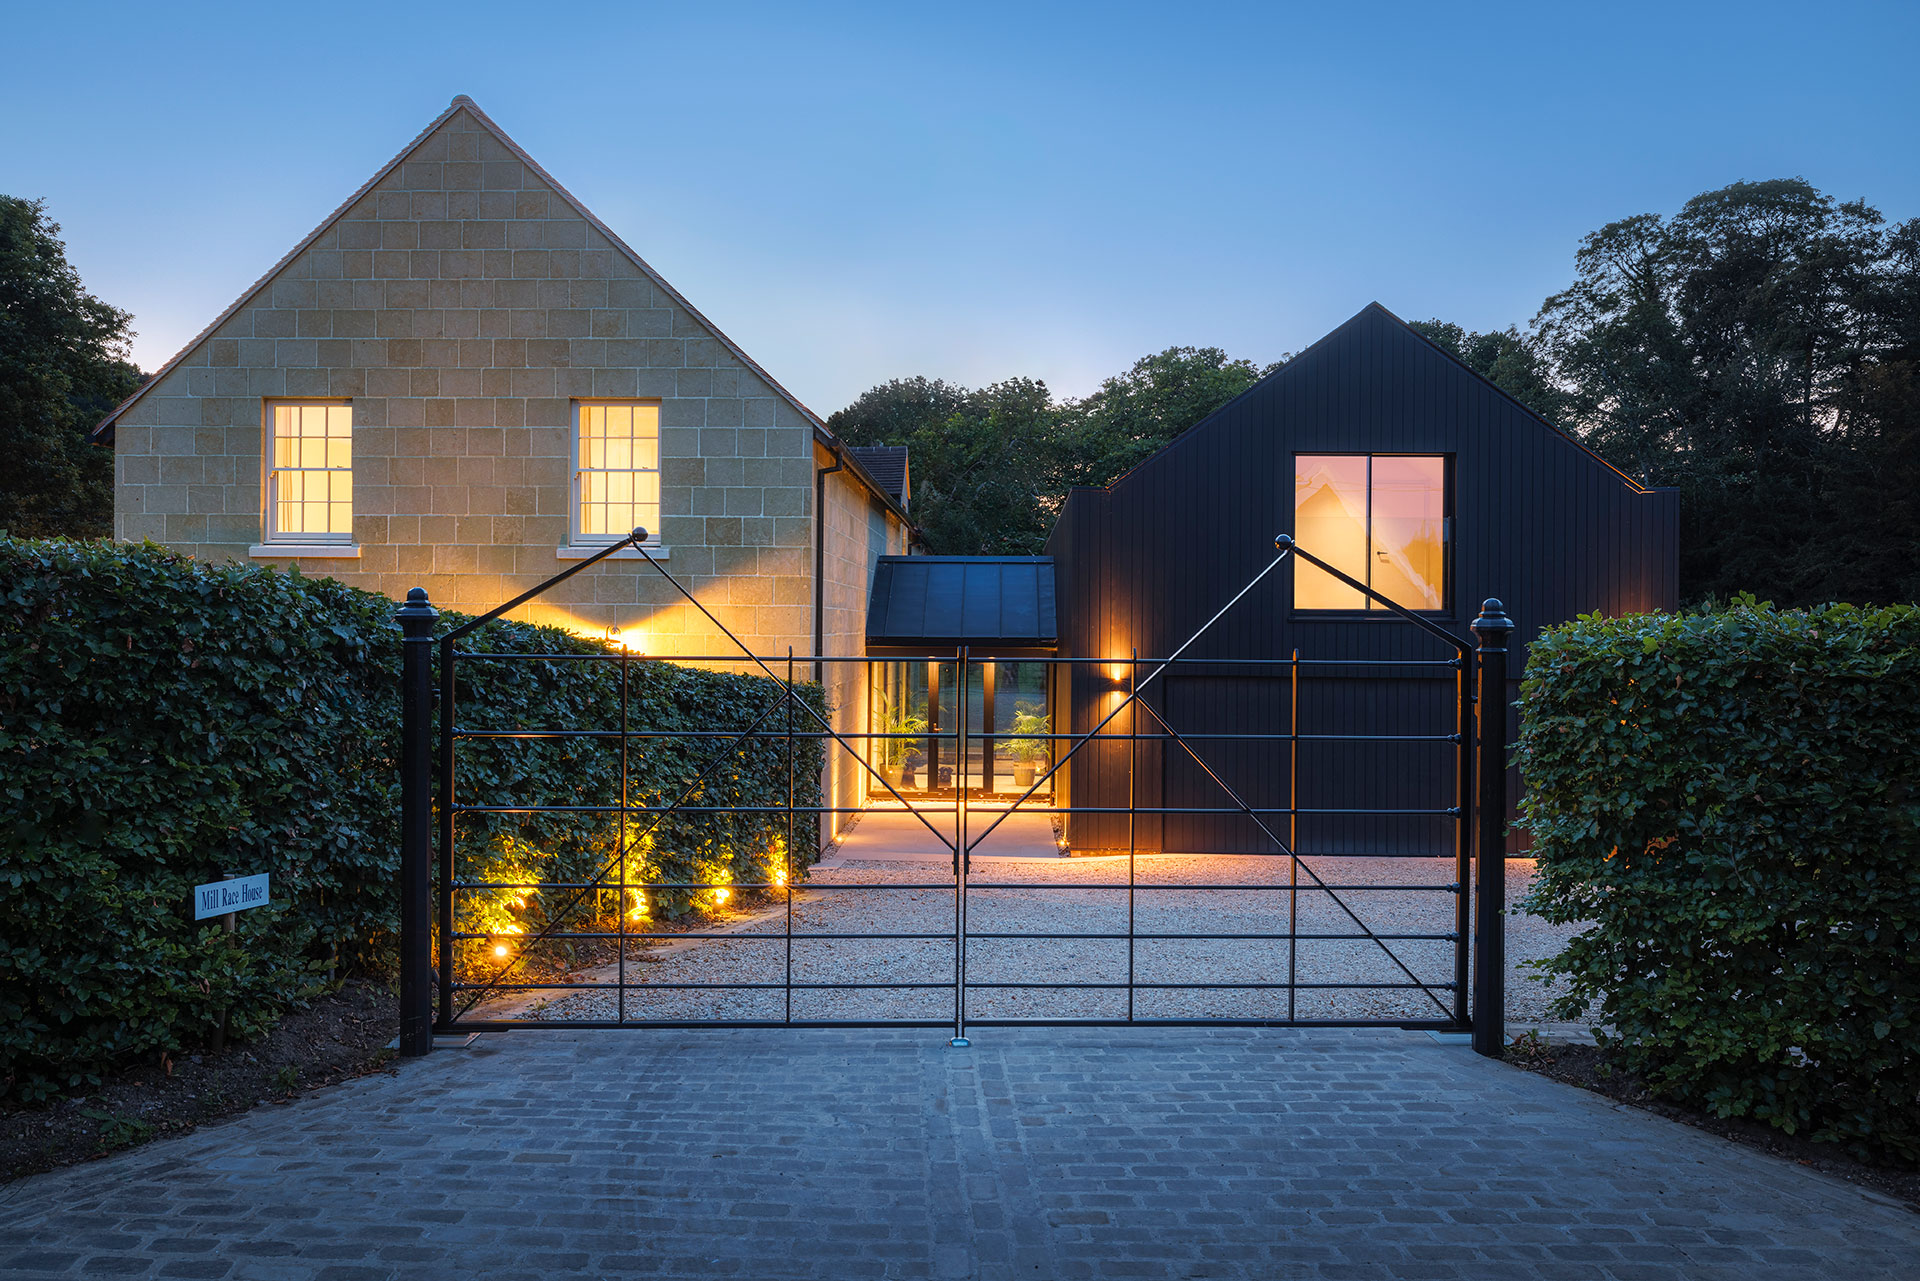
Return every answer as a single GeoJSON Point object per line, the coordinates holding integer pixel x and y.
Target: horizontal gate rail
{"type": "Point", "coordinates": [941, 937]}
{"type": "Point", "coordinates": [1050, 659]}
{"type": "Point", "coordinates": [848, 809]}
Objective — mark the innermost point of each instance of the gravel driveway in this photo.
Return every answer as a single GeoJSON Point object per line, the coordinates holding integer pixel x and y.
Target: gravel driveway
{"type": "Point", "coordinates": [1011, 897]}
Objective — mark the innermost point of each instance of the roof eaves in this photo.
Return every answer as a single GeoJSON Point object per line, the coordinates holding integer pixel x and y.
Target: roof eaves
{"type": "Point", "coordinates": [844, 452]}
{"type": "Point", "coordinates": [1525, 408]}
{"type": "Point", "coordinates": [1564, 435]}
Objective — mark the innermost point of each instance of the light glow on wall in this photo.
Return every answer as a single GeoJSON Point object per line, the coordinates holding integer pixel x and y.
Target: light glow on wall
{"type": "Point", "coordinates": [632, 642]}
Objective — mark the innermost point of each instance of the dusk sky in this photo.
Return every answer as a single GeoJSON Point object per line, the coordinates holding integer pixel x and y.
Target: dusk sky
{"type": "Point", "coordinates": [970, 192]}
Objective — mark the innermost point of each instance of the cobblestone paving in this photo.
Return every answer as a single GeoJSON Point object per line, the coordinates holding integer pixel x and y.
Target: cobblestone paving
{"type": "Point", "coordinates": [1037, 1153]}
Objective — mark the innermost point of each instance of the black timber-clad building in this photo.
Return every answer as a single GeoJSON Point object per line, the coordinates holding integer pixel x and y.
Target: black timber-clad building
{"type": "Point", "coordinates": [1383, 454]}
{"type": "Point", "coordinates": [1375, 450]}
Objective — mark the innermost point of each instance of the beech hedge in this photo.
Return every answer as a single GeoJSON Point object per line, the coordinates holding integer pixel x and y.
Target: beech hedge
{"type": "Point", "coordinates": [163, 722]}
{"type": "Point", "coordinates": [1730, 801]}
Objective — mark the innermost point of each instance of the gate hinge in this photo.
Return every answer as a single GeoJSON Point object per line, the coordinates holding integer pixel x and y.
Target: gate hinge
{"type": "Point", "coordinates": [1456, 738]}
{"type": "Point", "coordinates": [1454, 812]}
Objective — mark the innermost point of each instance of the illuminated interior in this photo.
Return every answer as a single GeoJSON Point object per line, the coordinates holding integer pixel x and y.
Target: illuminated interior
{"type": "Point", "coordinates": [618, 481]}
{"type": "Point", "coordinates": [1379, 518]}
{"type": "Point", "coordinates": [1007, 721]}
{"type": "Point", "coordinates": [310, 487]}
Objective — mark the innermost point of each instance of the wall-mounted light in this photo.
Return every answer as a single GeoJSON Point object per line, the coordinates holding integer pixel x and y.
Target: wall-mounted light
{"type": "Point", "coordinates": [631, 644]}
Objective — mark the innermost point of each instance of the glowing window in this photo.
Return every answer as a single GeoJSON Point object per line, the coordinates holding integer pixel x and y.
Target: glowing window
{"type": "Point", "coordinates": [1378, 518]}
{"type": "Point", "coordinates": [617, 484]}
{"type": "Point", "coordinates": [310, 482]}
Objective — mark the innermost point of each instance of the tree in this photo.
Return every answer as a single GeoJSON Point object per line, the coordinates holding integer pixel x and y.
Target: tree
{"type": "Point", "coordinates": [1756, 351]}
{"type": "Point", "coordinates": [63, 365]}
{"type": "Point", "coordinates": [1136, 414]}
{"type": "Point", "coordinates": [979, 458]}
{"type": "Point", "coordinates": [898, 412]}
{"type": "Point", "coordinates": [991, 467]}
{"type": "Point", "coordinates": [1505, 358]}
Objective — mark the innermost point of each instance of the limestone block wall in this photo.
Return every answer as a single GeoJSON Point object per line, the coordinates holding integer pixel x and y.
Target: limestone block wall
{"type": "Point", "coordinates": [858, 529]}
{"type": "Point", "coordinates": [461, 306]}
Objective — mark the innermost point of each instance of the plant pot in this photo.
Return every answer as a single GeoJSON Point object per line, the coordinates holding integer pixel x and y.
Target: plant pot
{"type": "Point", "coordinates": [1023, 776]}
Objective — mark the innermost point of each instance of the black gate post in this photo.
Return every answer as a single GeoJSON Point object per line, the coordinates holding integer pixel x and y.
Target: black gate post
{"type": "Point", "coordinates": [416, 619]}
{"type": "Point", "coordinates": [1493, 627]}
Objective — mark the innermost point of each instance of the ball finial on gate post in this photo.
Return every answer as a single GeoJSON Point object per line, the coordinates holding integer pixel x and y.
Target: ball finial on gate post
{"type": "Point", "coordinates": [417, 613]}
{"type": "Point", "coordinates": [1493, 626]}
{"type": "Point", "coordinates": [638, 536]}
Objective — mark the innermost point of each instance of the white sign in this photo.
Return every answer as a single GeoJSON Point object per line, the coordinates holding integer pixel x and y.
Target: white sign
{"type": "Point", "coordinates": [221, 897]}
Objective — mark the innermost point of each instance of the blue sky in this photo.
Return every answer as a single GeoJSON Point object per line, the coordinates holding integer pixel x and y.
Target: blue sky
{"type": "Point", "coordinates": [970, 192]}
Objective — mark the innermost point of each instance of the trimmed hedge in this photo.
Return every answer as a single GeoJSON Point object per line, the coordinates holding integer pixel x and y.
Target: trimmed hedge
{"type": "Point", "coordinates": [163, 721]}
{"type": "Point", "coordinates": [1731, 801]}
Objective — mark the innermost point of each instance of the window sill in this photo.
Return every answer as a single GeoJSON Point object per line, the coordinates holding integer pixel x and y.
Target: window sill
{"type": "Point", "coordinates": [306, 551]}
{"type": "Point", "coordinates": [625, 553]}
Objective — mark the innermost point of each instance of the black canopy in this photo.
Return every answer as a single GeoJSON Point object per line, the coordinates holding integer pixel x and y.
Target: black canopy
{"type": "Point", "coordinates": [997, 606]}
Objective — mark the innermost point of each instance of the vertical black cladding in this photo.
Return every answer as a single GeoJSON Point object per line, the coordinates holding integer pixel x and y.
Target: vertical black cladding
{"type": "Point", "coordinates": [1538, 521]}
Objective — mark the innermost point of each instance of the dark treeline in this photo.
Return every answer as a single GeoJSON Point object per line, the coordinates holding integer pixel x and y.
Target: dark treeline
{"type": "Point", "coordinates": [991, 467]}
{"type": "Point", "coordinates": [1759, 350]}
{"type": "Point", "coordinates": [63, 365]}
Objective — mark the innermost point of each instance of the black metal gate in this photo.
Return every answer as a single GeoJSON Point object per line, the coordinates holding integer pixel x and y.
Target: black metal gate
{"type": "Point", "coordinates": [440, 997]}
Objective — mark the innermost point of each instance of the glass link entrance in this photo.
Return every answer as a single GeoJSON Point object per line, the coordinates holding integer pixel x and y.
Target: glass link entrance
{"type": "Point", "coordinates": [1005, 743]}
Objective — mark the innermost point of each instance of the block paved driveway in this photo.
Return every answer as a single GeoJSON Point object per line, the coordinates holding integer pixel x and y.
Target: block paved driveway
{"type": "Point", "coordinates": [1037, 1153]}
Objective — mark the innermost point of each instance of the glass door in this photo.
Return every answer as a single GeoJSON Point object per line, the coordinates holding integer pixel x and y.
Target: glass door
{"type": "Point", "coordinates": [915, 703]}
{"type": "Point", "coordinates": [1017, 707]}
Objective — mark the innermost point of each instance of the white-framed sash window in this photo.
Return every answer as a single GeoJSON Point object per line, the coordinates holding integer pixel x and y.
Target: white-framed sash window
{"type": "Point", "coordinates": [616, 479]}
{"type": "Point", "coordinates": [309, 473]}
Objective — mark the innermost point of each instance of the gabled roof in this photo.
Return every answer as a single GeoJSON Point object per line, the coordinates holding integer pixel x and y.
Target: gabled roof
{"type": "Point", "coordinates": [886, 464]}
{"type": "Point", "coordinates": [994, 605]}
{"type": "Point", "coordinates": [1519, 404]}
{"type": "Point", "coordinates": [1373, 314]}
{"type": "Point", "coordinates": [103, 431]}
{"type": "Point", "coordinates": [459, 103]}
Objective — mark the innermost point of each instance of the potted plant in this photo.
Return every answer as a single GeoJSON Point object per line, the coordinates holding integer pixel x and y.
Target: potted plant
{"type": "Point", "coordinates": [900, 757]}
{"type": "Point", "coordinates": [1029, 751]}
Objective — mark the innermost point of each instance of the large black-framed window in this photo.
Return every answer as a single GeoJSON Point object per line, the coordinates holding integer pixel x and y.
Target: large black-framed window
{"type": "Point", "coordinates": [1384, 519]}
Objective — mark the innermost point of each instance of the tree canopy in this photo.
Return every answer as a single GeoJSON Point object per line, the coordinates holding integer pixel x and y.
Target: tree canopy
{"type": "Point", "coordinates": [1136, 414]}
{"type": "Point", "coordinates": [978, 457]}
{"type": "Point", "coordinates": [63, 365]}
{"type": "Point", "coordinates": [1759, 350]}
{"type": "Point", "coordinates": [1505, 358]}
{"type": "Point", "coordinates": [992, 466]}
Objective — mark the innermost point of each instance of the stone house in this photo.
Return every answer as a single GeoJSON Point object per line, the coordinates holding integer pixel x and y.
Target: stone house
{"type": "Point", "coordinates": [462, 380]}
